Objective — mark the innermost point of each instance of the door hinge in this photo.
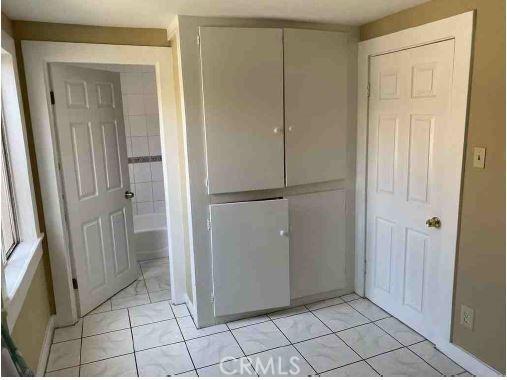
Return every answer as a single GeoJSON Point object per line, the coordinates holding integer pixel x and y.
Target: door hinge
{"type": "Point", "coordinates": [74, 283]}
{"type": "Point", "coordinates": [208, 224]}
{"type": "Point", "coordinates": [368, 89]}
{"type": "Point", "coordinates": [212, 298]}
{"type": "Point", "coordinates": [198, 39]}
{"type": "Point", "coordinates": [52, 96]}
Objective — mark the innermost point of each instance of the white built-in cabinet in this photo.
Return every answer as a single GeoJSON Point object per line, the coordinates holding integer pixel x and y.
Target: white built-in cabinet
{"type": "Point", "coordinates": [250, 249]}
{"type": "Point", "coordinates": [251, 136]}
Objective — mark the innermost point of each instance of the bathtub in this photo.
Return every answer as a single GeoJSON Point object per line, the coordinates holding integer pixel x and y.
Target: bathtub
{"type": "Point", "coordinates": [150, 236]}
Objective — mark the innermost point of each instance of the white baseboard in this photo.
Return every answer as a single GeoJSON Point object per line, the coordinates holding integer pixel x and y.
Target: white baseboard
{"type": "Point", "coordinates": [467, 360]}
{"type": "Point", "coordinates": [46, 346]}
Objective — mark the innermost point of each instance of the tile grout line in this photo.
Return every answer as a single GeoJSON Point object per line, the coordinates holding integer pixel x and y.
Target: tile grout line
{"type": "Point", "coordinates": [81, 348]}
{"type": "Point", "coordinates": [241, 348]}
{"type": "Point", "coordinates": [185, 342]}
{"type": "Point", "coordinates": [133, 346]}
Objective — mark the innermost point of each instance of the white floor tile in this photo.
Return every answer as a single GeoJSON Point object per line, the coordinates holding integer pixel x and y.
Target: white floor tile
{"type": "Point", "coordinates": [211, 349]}
{"type": "Point", "coordinates": [301, 327]}
{"type": "Point", "coordinates": [189, 330]}
{"type": "Point", "coordinates": [324, 303]}
{"type": "Point", "coordinates": [137, 287]}
{"type": "Point", "coordinates": [402, 333]}
{"type": "Point", "coordinates": [67, 372]}
{"type": "Point", "coordinates": [350, 297]}
{"type": "Point", "coordinates": [436, 359]}
{"type": "Point", "coordinates": [106, 306]}
{"type": "Point", "coordinates": [327, 352]}
{"type": "Point", "coordinates": [120, 366]}
{"type": "Point", "coordinates": [107, 345]}
{"type": "Point", "coordinates": [105, 322]}
{"type": "Point", "coordinates": [464, 374]}
{"type": "Point", "coordinates": [158, 283]}
{"type": "Point", "coordinates": [64, 355]}
{"type": "Point", "coordinates": [368, 340]}
{"type": "Point", "coordinates": [180, 310]}
{"type": "Point", "coordinates": [259, 337]}
{"type": "Point", "coordinates": [164, 361]}
{"type": "Point", "coordinates": [247, 321]}
{"type": "Point", "coordinates": [68, 333]}
{"type": "Point", "coordinates": [163, 295]}
{"type": "Point", "coordinates": [283, 361]}
{"type": "Point", "coordinates": [124, 303]}
{"type": "Point", "coordinates": [401, 363]}
{"type": "Point", "coordinates": [368, 309]}
{"type": "Point", "coordinates": [238, 368]}
{"type": "Point", "coordinates": [340, 317]}
{"type": "Point", "coordinates": [186, 374]}
{"type": "Point", "coordinates": [360, 369]}
{"type": "Point", "coordinates": [149, 313]}
{"type": "Point", "coordinates": [156, 334]}
{"type": "Point", "coordinates": [288, 312]}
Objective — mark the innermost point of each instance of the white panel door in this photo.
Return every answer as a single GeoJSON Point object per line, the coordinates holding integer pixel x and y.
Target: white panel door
{"type": "Point", "coordinates": [91, 135]}
{"type": "Point", "coordinates": [408, 140]}
{"type": "Point", "coordinates": [242, 74]}
{"type": "Point", "coordinates": [317, 243]}
{"type": "Point", "coordinates": [316, 105]}
{"type": "Point", "coordinates": [250, 249]}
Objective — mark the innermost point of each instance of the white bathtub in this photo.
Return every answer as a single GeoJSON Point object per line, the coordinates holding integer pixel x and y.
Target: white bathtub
{"type": "Point", "coordinates": [150, 236]}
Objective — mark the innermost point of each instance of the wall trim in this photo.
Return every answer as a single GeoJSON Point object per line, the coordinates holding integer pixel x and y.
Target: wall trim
{"type": "Point", "coordinates": [466, 360]}
{"type": "Point", "coordinates": [46, 347]}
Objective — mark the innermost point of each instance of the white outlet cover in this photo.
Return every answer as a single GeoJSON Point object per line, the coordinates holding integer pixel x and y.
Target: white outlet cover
{"type": "Point", "coordinates": [479, 157]}
{"type": "Point", "coordinates": [467, 317]}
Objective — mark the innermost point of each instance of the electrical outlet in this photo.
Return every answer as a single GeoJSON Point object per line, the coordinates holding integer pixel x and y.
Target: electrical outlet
{"type": "Point", "coordinates": [479, 157]}
{"type": "Point", "coordinates": [467, 317]}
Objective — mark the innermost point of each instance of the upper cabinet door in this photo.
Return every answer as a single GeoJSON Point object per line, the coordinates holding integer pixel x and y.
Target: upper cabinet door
{"type": "Point", "coordinates": [242, 73]}
{"type": "Point", "coordinates": [316, 105]}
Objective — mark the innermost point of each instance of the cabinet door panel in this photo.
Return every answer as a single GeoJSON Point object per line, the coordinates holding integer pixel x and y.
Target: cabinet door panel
{"type": "Point", "coordinates": [250, 256]}
{"type": "Point", "coordinates": [317, 243]}
{"type": "Point", "coordinates": [316, 102]}
{"type": "Point", "coordinates": [242, 72]}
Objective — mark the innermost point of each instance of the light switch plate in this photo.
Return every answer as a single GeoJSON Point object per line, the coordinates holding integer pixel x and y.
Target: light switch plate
{"type": "Point", "coordinates": [479, 157]}
{"type": "Point", "coordinates": [467, 317]}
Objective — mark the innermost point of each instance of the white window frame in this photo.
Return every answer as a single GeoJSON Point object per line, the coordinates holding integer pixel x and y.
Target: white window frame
{"type": "Point", "coordinates": [37, 55]}
{"type": "Point", "coordinates": [18, 271]}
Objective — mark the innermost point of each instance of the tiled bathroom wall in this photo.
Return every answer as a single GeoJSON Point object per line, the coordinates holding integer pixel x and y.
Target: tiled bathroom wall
{"type": "Point", "coordinates": [140, 110]}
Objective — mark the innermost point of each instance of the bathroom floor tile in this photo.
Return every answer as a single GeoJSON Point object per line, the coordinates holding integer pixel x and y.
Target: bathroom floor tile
{"type": "Point", "coordinates": [238, 367]}
{"type": "Point", "coordinates": [67, 372]}
{"type": "Point", "coordinates": [368, 309]}
{"type": "Point", "coordinates": [158, 283]}
{"type": "Point", "coordinates": [247, 321]}
{"type": "Point", "coordinates": [325, 303]}
{"type": "Point", "coordinates": [189, 330]}
{"type": "Point", "coordinates": [163, 295]}
{"type": "Point", "coordinates": [288, 312]}
{"type": "Point", "coordinates": [149, 313]}
{"type": "Point", "coordinates": [137, 287]}
{"type": "Point", "coordinates": [350, 297]}
{"type": "Point", "coordinates": [156, 334]}
{"type": "Point", "coordinates": [401, 363]}
{"type": "Point", "coordinates": [402, 333]}
{"type": "Point", "coordinates": [327, 352]}
{"type": "Point", "coordinates": [120, 366]}
{"type": "Point", "coordinates": [301, 327]}
{"type": "Point", "coordinates": [124, 303]}
{"type": "Point", "coordinates": [164, 361]}
{"type": "Point", "coordinates": [64, 355]}
{"type": "Point", "coordinates": [106, 306]}
{"type": "Point", "coordinates": [427, 351]}
{"type": "Point", "coordinates": [340, 317]}
{"type": "Point", "coordinates": [106, 345]}
{"type": "Point", "coordinates": [368, 340]}
{"type": "Point", "coordinates": [359, 369]}
{"type": "Point", "coordinates": [105, 322]}
{"type": "Point", "coordinates": [286, 362]}
{"type": "Point", "coordinates": [63, 334]}
{"type": "Point", "coordinates": [211, 349]}
{"type": "Point", "coordinates": [259, 337]}
{"type": "Point", "coordinates": [180, 310]}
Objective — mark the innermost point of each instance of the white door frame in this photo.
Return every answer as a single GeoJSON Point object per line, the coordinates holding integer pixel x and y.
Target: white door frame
{"type": "Point", "coordinates": [459, 28]}
{"type": "Point", "coordinates": [37, 55]}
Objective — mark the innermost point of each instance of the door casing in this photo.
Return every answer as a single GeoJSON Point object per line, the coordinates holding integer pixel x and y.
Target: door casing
{"type": "Point", "coordinates": [459, 28]}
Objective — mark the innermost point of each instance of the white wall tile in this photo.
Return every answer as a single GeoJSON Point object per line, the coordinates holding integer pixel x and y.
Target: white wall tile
{"type": "Point", "coordinates": [139, 146]}
{"type": "Point", "coordinates": [126, 124]}
{"type": "Point", "coordinates": [131, 172]}
{"type": "Point", "coordinates": [132, 83]}
{"type": "Point", "coordinates": [158, 191]}
{"type": "Point", "coordinates": [129, 147]}
{"type": "Point", "coordinates": [142, 172]}
{"type": "Point", "coordinates": [150, 105]}
{"type": "Point", "coordinates": [159, 207]}
{"type": "Point", "coordinates": [137, 125]}
{"type": "Point", "coordinates": [155, 149]}
{"type": "Point", "coordinates": [134, 208]}
{"type": "Point", "coordinates": [152, 125]}
{"type": "Point", "coordinates": [144, 208]}
{"type": "Point", "coordinates": [125, 102]}
{"type": "Point", "coordinates": [135, 104]}
{"type": "Point", "coordinates": [156, 171]}
{"type": "Point", "coordinates": [144, 192]}
{"type": "Point", "coordinates": [150, 84]}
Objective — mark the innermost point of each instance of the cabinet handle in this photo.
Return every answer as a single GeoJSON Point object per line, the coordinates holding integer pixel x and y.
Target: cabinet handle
{"type": "Point", "coordinates": [278, 130]}
{"type": "Point", "coordinates": [284, 233]}
{"type": "Point", "coordinates": [291, 128]}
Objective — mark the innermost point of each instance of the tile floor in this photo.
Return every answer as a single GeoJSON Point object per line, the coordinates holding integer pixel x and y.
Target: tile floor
{"type": "Point", "coordinates": [139, 333]}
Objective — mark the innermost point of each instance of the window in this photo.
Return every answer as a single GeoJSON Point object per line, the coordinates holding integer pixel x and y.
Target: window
{"type": "Point", "coordinates": [10, 235]}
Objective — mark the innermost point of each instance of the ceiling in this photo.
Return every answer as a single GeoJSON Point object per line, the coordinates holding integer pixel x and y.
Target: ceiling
{"type": "Point", "coordinates": [159, 13]}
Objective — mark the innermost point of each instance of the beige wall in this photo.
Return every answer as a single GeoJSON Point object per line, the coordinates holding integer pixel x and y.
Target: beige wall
{"type": "Point", "coordinates": [480, 272]}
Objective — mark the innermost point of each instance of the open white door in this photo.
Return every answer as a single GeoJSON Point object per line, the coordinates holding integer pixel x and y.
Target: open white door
{"type": "Point", "coordinates": [410, 171]}
{"type": "Point", "coordinates": [93, 161]}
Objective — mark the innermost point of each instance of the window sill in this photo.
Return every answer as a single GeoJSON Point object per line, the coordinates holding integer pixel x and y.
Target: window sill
{"type": "Point", "coordinates": [18, 273]}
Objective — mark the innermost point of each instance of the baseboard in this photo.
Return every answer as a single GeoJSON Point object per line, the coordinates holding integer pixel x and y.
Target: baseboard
{"type": "Point", "coordinates": [467, 360]}
{"type": "Point", "coordinates": [46, 346]}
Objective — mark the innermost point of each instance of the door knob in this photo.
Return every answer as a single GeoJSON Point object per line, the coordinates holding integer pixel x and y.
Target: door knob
{"type": "Point", "coordinates": [284, 233]}
{"type": "Point", "coordinates": [434, 222]}
{"type": "Point", "coordinates": [291, 128]}
{"type": "Point", "coordinates": [278, 130]}
{"type": "Point", "coordinates": [129, 194]}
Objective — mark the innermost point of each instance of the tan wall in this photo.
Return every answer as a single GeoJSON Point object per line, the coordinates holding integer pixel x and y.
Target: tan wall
{"type": "Point", "coordinates": [30, 327]}
{"type": "Point", "coordinates": [480, 273]}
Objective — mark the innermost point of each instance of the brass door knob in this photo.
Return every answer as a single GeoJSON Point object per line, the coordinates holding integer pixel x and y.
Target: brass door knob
{"type": "Point", "coordinates": [434, 222]}
{"type": "Point", "coordinates": [129, 194]}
